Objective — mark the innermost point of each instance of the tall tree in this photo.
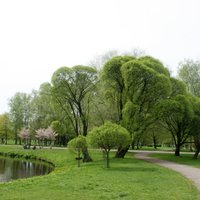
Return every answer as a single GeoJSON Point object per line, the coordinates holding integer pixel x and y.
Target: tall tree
{"type": "Point", "coordinates": [145, 88]}
{"type": "Point", "coordinates": [20, 112]}
{"type": "Point", "coordinates": [42, 108]}
{"type": "Point", "coordinates": [4, 127]}
{"type": "Point", "coordinates": [74, 88]}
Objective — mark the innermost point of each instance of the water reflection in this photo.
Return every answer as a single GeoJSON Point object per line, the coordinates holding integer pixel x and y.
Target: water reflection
{"type": "Point", "coordinates": [11, 169]}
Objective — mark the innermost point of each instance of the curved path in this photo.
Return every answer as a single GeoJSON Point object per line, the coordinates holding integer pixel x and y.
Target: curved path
{"type": "Point", "coordinates": [189, 172]}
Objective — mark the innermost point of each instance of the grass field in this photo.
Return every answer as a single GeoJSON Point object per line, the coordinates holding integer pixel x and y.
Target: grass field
{"type": "Point", "coordinates": [127, 179]}
{"type": "Point", "coordinates": [185, 159]}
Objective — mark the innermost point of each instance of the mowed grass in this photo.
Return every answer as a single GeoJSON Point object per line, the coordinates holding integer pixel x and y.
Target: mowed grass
{"type": "Point", "coordinates": [127, 179]}
{"type": "Point", "coordinates": [185, 159]}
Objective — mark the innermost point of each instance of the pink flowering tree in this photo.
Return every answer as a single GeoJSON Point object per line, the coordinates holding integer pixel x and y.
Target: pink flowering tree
{"type": "Point", "coordinates": [24, 135]}
{"type": "Point", "coordinates": [46, 135]}
{"type": "Point", "coordinates": [40, 135]}
{"type": "Point", "coordinates": [50, 136]}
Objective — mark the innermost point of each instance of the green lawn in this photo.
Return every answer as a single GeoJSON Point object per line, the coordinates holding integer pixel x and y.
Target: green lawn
{"type": "Point", "coordinates": [126, 179]}
{"type": "Point", "coordinates": [185, 159]}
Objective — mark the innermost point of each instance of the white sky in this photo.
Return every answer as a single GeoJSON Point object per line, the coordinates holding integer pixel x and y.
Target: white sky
{"type": "Point", "coordinates": [39, 36]}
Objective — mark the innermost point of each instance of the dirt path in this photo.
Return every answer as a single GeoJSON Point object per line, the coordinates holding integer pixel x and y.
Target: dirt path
{"type": "Point", "coordinates": [189, 172]}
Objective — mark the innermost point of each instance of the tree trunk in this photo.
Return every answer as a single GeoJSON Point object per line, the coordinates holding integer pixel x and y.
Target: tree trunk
{"type": "Point", "coordinates": [177, 151]}
{"type": "Point", "coordinates": [15, 139]}
{"type": "Point", "coordinates": [121, 152]}
{"type": "Point", "coordinates": [191, 144]}
{"type": "Point", "coordinates": [6, 137]}
{"type": "Point", "coordinates": [133, 144]}
{"type": "Point", "coordinates": [154, 142]}
{"type": "Point", "coordinates": [197, 150]}
{"type": "Point", "coordinates": [195, 156]}
{"type": "Point", "coordinates": [107, 159]}
{"type": "Point", "coordinates": [86, 156]}
{"type": "Point", "coordinates": [78, 158]}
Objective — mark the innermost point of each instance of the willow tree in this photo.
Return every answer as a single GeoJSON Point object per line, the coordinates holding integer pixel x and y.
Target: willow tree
{"type": "Point", "coordinates": [145, 88]}
{"type": "Point", "coordinates": [176, 115]}
{"type": "Point", "coordinates": [113, 81]}
{"type": "Point", "coordinates": [74, 88]}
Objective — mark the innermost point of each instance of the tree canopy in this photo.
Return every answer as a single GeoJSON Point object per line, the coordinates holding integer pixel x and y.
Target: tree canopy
{"type": "Point", "coordinates": [109, 136]}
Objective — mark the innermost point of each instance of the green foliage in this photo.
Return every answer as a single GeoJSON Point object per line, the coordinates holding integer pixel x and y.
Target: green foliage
{"type": "Point", "coordinates": [195, 124]}
{"type": "Point", "coordinates": [20, 112]}
{"type": "Point", "coordinates": [59, 128]}
{"type": "Point", "coordinates": [111, 73]}
{"type": "Point", "coordinates": [145, 88]}
{"type": "Point", "coordinates": [143, 84]}
{"type": "Point", "coordinates": [5, 128]}
{"type": "Point", "coordinates": [178, 87]}
{"type": "Point", "coordinates": [154, 64]}
{"type": "Point", "coordinates": [176, 115]}
{"type": "Point", "coordinates": [109, 136]}
{"type": "Point", "coordinates": [189, 73]}
{"type": "Point", "coordinates": [176, 110]}
{"type": "Point", "coordinates": [114, 84]}
{"type": "Point", "coordinates": [77, 143]}
{"type": "Point", "coordinates": [73, 89]}
{"type": "Point", "coordinates": [44, 113]}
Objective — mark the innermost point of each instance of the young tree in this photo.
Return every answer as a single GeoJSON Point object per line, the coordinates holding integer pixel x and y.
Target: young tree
{"type": "Point", "coordinates": [78, 145]}
{"type": "Point", "coordinates": [107, 137]}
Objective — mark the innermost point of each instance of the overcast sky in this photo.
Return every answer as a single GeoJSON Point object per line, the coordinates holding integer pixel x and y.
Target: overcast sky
{"type": "Point", "coordinates": [39, 36]}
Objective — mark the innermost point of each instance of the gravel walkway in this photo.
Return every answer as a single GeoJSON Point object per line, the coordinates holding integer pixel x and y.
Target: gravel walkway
{"type": "Point", "coordinates": [189, 172]}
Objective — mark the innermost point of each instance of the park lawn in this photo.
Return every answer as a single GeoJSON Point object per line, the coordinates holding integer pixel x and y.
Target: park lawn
{"type": "Point", "coordinates": [126, 179]}
{"type": "Point", "coordinates": [185, 159]}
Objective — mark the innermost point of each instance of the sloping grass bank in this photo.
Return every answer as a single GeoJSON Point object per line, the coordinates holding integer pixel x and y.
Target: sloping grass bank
{"type": "Point", "coordinates": [185, 159]}
{"type": "Point", "coordinates": [126, 179]}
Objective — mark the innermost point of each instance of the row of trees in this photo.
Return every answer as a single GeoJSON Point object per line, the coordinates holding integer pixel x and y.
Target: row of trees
{"type": "Point", "coordinates": [136, 92]}
{"type": "Point", "coordinates": [42, 136]}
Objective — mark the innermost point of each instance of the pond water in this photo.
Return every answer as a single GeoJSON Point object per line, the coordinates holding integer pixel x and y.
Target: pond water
{"type": "Point", "coordinates": [11, 169]}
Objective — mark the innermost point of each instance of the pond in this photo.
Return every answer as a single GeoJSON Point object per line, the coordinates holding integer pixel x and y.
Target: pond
{"type": "Point", "coordinates": [11, 169]}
